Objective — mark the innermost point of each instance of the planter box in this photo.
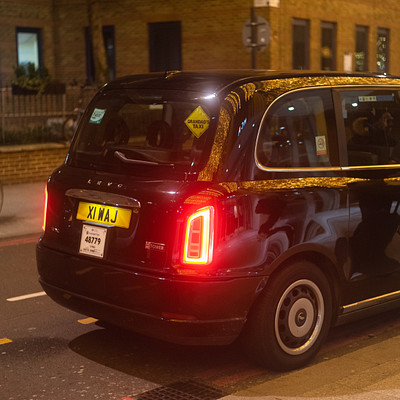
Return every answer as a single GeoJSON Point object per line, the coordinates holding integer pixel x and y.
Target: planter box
{"type": "Point", "coordinates": [21, 91]}
{"type": "Point", "coordinates": [51, 88]}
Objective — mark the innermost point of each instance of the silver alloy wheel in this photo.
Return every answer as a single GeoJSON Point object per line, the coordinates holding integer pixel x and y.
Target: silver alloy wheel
{"type": "Point", "coordinates": [299, 317]}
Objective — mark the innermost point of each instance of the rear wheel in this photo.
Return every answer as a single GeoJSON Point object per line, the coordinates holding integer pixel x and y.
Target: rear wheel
{"type": "Point", "coordinates": [291, 319]}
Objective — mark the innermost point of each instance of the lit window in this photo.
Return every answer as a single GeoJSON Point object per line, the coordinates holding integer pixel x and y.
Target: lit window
{"type": "Point", "coordinates": [382, 50]}
{"type": "Point", "coordinates": [28, 46]}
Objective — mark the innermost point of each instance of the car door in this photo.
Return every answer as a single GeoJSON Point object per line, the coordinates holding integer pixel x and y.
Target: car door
{"type": "Point", "coordinates": [369, 119]}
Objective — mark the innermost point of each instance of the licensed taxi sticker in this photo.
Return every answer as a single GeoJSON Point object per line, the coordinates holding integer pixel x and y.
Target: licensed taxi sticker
{"type": "Point", "coordinates": [107, 215]}
{"type": "Point", "coordinates": [97, 116]}
{"type": "Point", "coordinates": [320, 142]}
{"type": "Point", "coordinates": [374, 99]}
{"type": "Point", "coordinates": [198, 122]}
{"type": "Point", "coordinates": [366, 99]}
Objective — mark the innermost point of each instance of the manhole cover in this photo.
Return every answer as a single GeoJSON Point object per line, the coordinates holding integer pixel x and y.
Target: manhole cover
{"type": "Point", "coordinates": [188, 390]}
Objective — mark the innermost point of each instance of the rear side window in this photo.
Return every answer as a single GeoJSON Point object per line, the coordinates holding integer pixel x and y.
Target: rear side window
{"type": "Point", "coordinates": [298, 131]}
{"type": "Point", "coordinates": [372, 125]}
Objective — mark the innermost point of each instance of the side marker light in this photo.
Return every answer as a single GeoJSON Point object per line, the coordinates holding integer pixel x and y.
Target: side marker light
{"type": "Point", "coordinates": [46, 199]}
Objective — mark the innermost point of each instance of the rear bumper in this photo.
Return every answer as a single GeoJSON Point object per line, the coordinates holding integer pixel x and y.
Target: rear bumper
{"type": "Point", "coordinates": [194, 312]}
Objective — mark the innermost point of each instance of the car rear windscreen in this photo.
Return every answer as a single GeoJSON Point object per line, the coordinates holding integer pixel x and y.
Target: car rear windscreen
{"type": "Point", "coordinates": [131, 130]}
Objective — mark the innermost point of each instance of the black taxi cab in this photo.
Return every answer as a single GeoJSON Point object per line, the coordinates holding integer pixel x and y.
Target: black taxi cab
{"type": "Point", "coordinates": [202, 207]}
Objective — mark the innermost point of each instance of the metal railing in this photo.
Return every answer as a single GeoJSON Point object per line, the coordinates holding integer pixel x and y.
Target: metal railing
{"type": "Point", "coordinates": [27, 111]}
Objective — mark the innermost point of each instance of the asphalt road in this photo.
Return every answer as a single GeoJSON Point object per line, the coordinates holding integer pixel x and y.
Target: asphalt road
{"type": "Point", "coordinates": [48, 352]}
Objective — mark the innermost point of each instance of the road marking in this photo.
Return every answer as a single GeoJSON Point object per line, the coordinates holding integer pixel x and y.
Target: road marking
{"type": "Point", "coordinates": [5, 340]}
{"type": "Point", "coordinates": [27, 296]}
{"type": "Point", "coordinates": [87, 321]}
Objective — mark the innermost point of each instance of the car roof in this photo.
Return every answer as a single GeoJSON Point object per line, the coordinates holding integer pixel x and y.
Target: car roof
{"type": "Point", "coordinates": [213, 81]}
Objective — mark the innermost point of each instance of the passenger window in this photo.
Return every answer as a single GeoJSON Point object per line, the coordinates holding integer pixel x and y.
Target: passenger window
{"type": "Point", "coordinates": [295, 131]}
{"type": "Point", "coordinates": [372, 126]}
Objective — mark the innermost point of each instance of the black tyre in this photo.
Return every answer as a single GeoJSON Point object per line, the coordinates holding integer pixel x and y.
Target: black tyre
{"type": "Point", "coordinates": [291, 319]}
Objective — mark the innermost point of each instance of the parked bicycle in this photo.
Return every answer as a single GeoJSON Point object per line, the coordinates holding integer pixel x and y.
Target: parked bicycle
{"type": "Point", "coordinates": [71, 123]}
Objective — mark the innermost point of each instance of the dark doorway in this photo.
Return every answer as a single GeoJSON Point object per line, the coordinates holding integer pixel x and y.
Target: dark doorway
{"type": "Point", "coordinates": [301, 43]}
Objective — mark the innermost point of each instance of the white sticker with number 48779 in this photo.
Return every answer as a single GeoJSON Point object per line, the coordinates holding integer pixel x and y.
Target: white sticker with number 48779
{"type": "Point", "coordinates": [93, 240]}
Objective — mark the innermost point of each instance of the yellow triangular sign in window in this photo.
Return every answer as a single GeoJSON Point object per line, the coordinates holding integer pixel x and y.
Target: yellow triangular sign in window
{"type": "Point", "coordinates": [198, 122]}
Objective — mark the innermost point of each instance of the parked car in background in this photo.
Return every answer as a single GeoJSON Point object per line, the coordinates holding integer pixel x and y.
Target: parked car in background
{"type": "Point", "coordinates": [203, 207]}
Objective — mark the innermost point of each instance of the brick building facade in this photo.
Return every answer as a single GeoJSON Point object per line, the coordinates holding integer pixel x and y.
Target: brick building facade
{"type": "Point", "coordinates": [306, 34]}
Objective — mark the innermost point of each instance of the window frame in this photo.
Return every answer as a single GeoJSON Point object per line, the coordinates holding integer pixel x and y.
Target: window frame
{"type": "Point", "coordinates": [173, 28]}
{"type": "Point", "coordinates": [331, 26]}
{"type": "Point", "coordinates": [36, 31]}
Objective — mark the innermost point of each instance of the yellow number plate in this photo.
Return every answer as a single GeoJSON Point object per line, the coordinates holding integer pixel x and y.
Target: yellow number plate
{"type": "Point", "coordinates": [106, 215]}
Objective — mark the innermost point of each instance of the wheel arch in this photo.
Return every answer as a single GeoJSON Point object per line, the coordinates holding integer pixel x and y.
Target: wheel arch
{"type": "Point", "coordinates": [321, 261]}
{"type": "Point", "coordinates": [259, 329]}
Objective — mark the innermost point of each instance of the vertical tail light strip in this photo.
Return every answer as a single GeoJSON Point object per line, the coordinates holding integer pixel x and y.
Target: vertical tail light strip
{"type": "Point", "coordinates": [46, 199]}
{"type": "Point", "coordinates": [199, 237]}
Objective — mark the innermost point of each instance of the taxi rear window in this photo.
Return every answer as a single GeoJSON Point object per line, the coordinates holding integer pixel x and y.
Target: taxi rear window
{"type": "Point", "coordinates": [141, 129]}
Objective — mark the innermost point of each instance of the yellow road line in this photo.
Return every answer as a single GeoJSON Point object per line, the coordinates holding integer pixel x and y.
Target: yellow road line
{"type": "Point", "coordinates": [87, 321]}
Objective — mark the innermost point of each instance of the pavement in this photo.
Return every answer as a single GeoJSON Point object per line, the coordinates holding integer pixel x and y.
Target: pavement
{"type": "Point", "coordinates": [22, 211]}
{"type": "Point", "coordinates": [369, 373]}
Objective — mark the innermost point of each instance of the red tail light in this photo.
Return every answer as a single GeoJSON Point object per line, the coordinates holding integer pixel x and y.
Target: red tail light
{"type": "Point", "coordinates": [46, 198]}
{"type": "Point", "coordinates": [199, 237]}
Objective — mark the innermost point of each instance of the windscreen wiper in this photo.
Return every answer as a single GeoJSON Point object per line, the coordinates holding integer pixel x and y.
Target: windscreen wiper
{"type": "Point", "coordinates": [123, 158]}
